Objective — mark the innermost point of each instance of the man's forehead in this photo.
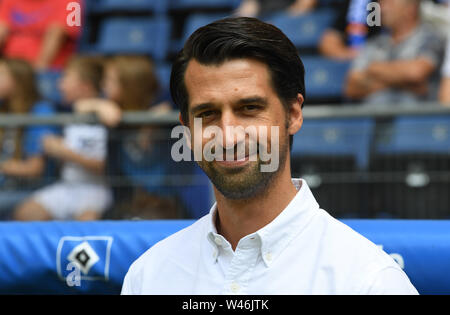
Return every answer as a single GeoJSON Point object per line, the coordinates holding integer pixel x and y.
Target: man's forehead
{"type": "Point", "coordinates": [242, 67]}
{"type": "Point", "coordinates": [222, 80]}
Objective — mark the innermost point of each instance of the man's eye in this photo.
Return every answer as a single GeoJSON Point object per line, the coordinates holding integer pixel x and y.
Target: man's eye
{"type": "Point", "coordinates": [206, 114]}
{"type": "Point", "coordinates": [251, 107]}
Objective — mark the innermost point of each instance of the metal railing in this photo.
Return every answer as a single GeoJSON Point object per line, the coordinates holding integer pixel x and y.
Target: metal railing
{"type": "Point", "coordinates": [309, 112]}
{"type": "Point", "coordinates": [413, 185]}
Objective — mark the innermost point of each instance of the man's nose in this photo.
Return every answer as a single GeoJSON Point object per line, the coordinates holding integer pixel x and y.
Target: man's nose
{"type": "Point", "coordinates": [232, 130]}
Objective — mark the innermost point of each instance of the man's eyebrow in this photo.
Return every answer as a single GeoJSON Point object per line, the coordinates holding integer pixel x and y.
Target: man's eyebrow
{"type": "Point", "coordinates": [253, 100]}
{"type": "Point", "coordinates": [200, 107]}
{"type": "Point", "coordinates": [243, 101]}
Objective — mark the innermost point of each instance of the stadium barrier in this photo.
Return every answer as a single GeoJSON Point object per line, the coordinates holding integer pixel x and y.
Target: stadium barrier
{"type": "Point", "coordinates": [390, 162]}
{"type": "Point", "coordinates": [47, 258]}
{"type": "Point", "coordinates": [312, 112]}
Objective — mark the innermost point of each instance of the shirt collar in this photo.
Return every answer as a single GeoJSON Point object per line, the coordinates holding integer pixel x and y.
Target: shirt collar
{"type": "Point", "coordinates": [275, 236]}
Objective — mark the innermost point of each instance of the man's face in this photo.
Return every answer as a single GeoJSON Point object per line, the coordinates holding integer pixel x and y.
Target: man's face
{"type": "Point", "coordinates": [394, 12]}
{"type": "Point", "coordinates": [237, 93]}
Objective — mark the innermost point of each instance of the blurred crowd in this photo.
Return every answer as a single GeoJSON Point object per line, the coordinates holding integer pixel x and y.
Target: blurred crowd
{"type": "Point", "coordinates": [404, 61]}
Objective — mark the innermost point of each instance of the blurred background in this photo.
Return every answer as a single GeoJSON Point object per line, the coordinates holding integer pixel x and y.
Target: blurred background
{"type": "Point", "coordinates": [375, 142]}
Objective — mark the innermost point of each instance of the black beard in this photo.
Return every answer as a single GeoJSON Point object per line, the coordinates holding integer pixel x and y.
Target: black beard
{"type": "Point", "coordinates": [245, 182]}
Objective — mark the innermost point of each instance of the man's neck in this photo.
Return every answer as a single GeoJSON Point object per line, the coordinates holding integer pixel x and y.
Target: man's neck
{"type": "Point", "coordinates": [238, 218]}
{"type": "Point", "coordinates": [403, 30]}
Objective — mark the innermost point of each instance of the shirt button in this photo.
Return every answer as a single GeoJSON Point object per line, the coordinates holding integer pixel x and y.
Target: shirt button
{"type": "Point", "coordinates": [268, 256]}
{"type": "Point", "coordinates": [217, 240]}
{"type": "Point", "coordinates": [235, 287]}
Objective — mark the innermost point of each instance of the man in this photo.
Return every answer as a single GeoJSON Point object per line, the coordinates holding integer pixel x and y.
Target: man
{"type": "Point", "coordinates": [266, 233]}
{"type": "Point", "coordinates": [444, 95]}
{"type": "Point", "coordinates": [344, 39]}
{"type": "Point", "coordinates": [400, 66]}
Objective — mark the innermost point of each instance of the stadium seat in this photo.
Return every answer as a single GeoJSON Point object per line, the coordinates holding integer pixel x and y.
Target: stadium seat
{"type": "Point", "coordinates": [193, 22]}
{"type": "Point", "coordinates": [163, 71]}
{"type": "Point", "coordinates": [198, 4]}
{"type": "Point", "coordinates": [324, 78]}
{"type": "Point", "coordinates": [412, 156]}
{"type": "Point", "coordinates": [157, 6]}
{"type": "Point", "coordinates": [336, 137]}
{"type": "Point", "coordinates": [135, 36]}
{"type": "Point", "coordinates": [47, 83]}
{"type": "Point", "coordinates": [418, 135]}
{"type": "Point", "coordinates": [332, 155]}
{"type": "Point", "coordinates": [196, 21]}
{"type": "Point", "coordinates": [305, 30]}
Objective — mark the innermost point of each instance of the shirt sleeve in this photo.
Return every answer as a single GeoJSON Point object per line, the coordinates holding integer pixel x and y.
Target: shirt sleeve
{"type": "Point", "coordinates": [5, 12]}
{"type": "Point", "coordinates": [34, 135]}
{"type": "Point", "coordinates": [390, 281]}
{"type": "Point", "coordinates": [364, 58]}
{"type": "Point", "coordinates": [432, 48]}
{"type": "Point", "coordinates": [126, 287]}
{"type": "Point", "coordinates": [446, 66]}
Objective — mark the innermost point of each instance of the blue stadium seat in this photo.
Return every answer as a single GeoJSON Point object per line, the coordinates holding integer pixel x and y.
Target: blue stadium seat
{"type": "Point", "coordinates": [191, 4]}
{"type": "Point", "coordinates": [157, 6]}
{"type": "Point", "coordinates": [418, 135]}
{"type": "Point", "coordinates": [193, 22]}
{"type": "Point", "coordinates": [335, 137]}
{"type": "Point", "coordinates": [324, 78]}
{"type": "Point", "coordinates": [135, 36]}
{"type": "Point", "coordinates": [305, 30]}
{"type": "Point", "coordinates": [47, 83]}
{"type": "Point", "coordinates": [330, 154]}
{"type": "Point", "coordinates": [163, 71]}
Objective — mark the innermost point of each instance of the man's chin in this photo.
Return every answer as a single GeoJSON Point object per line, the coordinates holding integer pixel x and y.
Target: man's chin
{"type": "Point", "coordinates": [238, 182]}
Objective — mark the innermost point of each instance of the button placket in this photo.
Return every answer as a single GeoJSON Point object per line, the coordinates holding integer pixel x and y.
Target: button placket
{"type": "Point", "coordinates": [241, 268]}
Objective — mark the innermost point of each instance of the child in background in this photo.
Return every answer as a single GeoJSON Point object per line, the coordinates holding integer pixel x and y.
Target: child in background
{"type": "Point", "coordinates": [81, 194]}
{"type": "Point", "coordinates": [139, 155]}
{"type": "Point", "coordinates": [22, 162]}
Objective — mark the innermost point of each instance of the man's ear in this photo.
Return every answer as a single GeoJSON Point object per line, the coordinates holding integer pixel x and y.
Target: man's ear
{"type": "Point", "coordinates": [296, 115]}
{"type": "Point", "coordinates": [181, 120]}
{"type": "Point", "coordinates": [187, 133]}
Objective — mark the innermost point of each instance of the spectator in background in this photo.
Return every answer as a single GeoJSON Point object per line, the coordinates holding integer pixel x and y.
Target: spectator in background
{"type": "Point", "coordinates": [444, 94]}
{"type": "Point", "coordinates": [399, 67]}
{"type": "Point", "coordinates": [21, 153]}
{"type": "Point", "coordinates": [81, 194]}
{"type": "Point", "coordinates": [259, 8]}
{"type": "Point", "coordinates": [350, 31]}
{"type": "Point", "coordinates": [37, 31]}
{"type": "Point", "coordinates": [138, 156]}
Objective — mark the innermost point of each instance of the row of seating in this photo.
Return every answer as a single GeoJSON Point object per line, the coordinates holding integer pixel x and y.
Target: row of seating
{"type": "Point", "coordinates": [162, 6]}
{"type": "Point", "coordinates": [377, 169]}
{"type": "Point", "coordinates": [152, 35]}
{"type": "Point", "coordinates": [363, 138]}
{"type": "Point", "coordinates": [157, 6]}
{"type": "Point", "coordinates": [324, 79]}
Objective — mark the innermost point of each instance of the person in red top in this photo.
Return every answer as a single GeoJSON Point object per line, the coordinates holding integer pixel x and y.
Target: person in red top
{"type": "Point", "coordinates": [38, 31]}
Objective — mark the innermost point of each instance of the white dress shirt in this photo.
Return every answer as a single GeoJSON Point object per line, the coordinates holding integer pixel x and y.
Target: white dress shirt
{"type": "Point", "coordinates": [302, 251]}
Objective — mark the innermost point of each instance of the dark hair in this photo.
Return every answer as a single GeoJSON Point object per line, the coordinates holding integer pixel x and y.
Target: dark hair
{"type": "Point", "coordinates": [241, 37]}
{"type": "Point", "coordinates": [90, 69]}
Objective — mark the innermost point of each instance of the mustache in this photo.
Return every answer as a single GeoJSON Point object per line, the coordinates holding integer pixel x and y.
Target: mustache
{"type": "Point", "coordinates": [238, 150]}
